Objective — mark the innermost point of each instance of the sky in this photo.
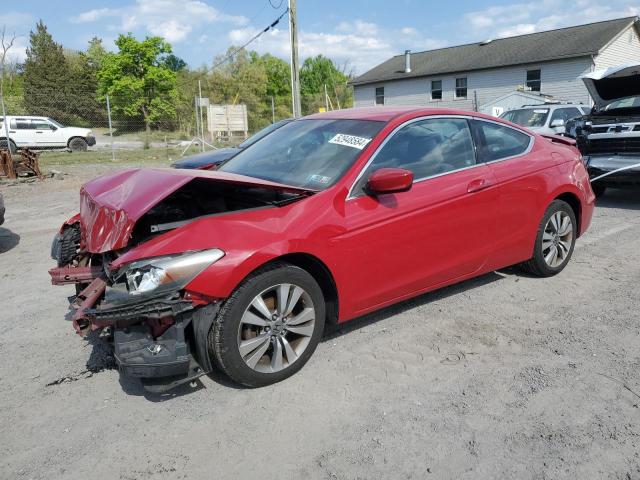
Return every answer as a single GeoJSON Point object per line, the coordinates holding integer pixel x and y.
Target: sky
{"type": "Point", "coordinates": [356, 34]}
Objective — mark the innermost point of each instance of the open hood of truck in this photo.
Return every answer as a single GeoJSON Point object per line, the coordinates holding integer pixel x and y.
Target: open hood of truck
{"type": "Point", "coordinates": [613, 83]}
{"type": "Point", "coordinates": [111, 205]}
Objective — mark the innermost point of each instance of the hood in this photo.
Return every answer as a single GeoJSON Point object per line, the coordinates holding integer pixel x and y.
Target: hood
{"type": "Point", "coordinates": [206, 159]}
{"type": "Point", "coordinates": [82, 132]}
{"type": "Point", "coordinates": [609, 84]}
{"type": "Point", "coordinates": [111, 205]}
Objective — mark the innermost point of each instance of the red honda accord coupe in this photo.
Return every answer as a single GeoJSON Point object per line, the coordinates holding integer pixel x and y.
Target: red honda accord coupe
{"type": "Point", "coordinates": [332, 216]}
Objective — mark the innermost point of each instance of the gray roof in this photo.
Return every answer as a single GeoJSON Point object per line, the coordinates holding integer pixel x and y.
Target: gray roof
{"type": "Point", "coordinates": [570, 42]}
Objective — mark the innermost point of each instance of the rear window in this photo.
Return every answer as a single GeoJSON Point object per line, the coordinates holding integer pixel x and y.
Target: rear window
{"type": "Point", "coordinates": [527, 117]}
{"type": "Point", "coordinates": [501, 141]}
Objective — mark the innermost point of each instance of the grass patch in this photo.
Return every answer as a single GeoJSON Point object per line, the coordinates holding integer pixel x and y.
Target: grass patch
{"type": "Point", "coordinates": [138, 156]}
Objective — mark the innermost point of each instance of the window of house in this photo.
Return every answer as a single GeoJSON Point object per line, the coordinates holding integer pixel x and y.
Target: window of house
{"type": "Point", "coordinates": [436, 89]}
{"type": "Point", "coordinates": [534, 80]}
{"type": "Point", "coordinates": [427, 148]}
{"type": "Point", "coordinates": [500, 141]}
{"type": "Point", "coordinates": [461, 87]}
{"type": "Point", "coordinates": [380, 96]}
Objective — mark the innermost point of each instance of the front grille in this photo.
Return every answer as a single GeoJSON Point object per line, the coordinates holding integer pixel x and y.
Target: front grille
{"type": "Point", "coordinates": [615, 145]}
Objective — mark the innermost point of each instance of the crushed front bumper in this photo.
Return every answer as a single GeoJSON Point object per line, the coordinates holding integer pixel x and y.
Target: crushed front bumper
{"type": "Point", "coordinates": [160, 338]}
{"type": "Point", "coordinates": [617, 171]}
{"type": "Point", "coordinates": [91, 140]}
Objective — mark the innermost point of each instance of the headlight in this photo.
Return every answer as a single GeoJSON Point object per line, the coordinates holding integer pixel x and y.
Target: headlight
{"type": "Point", "coordinates": [172, 272]}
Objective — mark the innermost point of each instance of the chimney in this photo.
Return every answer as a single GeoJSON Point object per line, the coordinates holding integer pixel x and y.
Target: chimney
{"type": "Point", "coordinates": [407, 61]}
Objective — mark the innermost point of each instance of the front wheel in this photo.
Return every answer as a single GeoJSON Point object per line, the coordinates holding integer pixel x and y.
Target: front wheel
{"type": "Point", "coordinates": [78, 144]}
{"type": "Point", "coordinates": [269, 327]}
{"type": "Point", "coordinates": [12, 146]}
{"type": "Point", "coordinates": [554, 242]}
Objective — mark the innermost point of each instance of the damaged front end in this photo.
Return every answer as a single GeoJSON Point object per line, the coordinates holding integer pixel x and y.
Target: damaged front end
{"type": "Point", "coordinates": [158, 326]}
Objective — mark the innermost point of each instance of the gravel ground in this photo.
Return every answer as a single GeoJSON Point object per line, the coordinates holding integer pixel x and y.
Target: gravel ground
{"type": "Point", "coordinates": [504, 376]}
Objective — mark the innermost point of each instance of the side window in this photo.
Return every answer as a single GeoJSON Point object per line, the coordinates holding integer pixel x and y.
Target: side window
{"type": "Point", "coordinates": [23, 124]}
{"type": "Point", "coordinates": [380, 96]}
{"type": "Point", "coordinates": [500, 141]}
{"type": "Point", "coordinates": [40, 125]}
{"type": "Point", "coordinates": [534, 80]}
{"type": "Point", "coordinates": [427, 148]}
{"type": "Point", "coordinates": [565, 114]}
{"type": "Point", "coordinates": [461, 87]}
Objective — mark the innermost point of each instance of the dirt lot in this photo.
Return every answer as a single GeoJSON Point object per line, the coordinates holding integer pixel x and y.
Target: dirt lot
{"type": "Point", "coordinates": [504, 376]}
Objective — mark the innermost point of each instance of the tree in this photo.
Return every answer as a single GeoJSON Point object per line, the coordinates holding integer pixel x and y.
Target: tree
{"type": "Point", "coordinates": [46, 76]}
{"type": "Point", "coordinates": [6, 42]}
{"type": "Point", "coordinates": [138, 81]}
{"type": "Point", "coordinates": [317, 72]}
{"type": "Point", "coordinates": [95, 52]}
{"type": "Point", "coordinates": [175, 64]}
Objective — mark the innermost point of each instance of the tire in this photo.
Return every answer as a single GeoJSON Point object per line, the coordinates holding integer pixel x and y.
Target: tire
{"type": "Point", "coordinates": [543, 263]}
{"type": "Point", "coordinates": [12, 146]}
{"type": "Point", "coordinates": [598, 190]}
{"type": "Point", "coordinates": [78, 144]}
{"type": "Point", "coordinates": [256, 350]}
{"type": "Point", "coordinates": [69, 244]}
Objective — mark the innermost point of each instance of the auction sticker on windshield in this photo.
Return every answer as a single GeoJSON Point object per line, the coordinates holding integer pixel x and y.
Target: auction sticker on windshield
{"type": "Point", "coordinates": [350, 141]}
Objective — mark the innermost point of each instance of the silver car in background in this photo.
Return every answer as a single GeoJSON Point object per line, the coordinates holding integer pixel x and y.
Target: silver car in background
{"type": "Point", "coordinates": [547, 119]}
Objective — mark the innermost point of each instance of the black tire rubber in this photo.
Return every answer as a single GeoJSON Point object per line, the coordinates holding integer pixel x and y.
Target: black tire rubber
{"type": "Point", "coordinates": [222, 339]}
{"type": "Point", "coordinates": [12, 146]}
{"type": "Point", "coordinates": [536, 265]}
{"type": "Point", "coordinates": [78, 144]}
{"type": "Point", "coordinates": [69, 244]}
{"type": "Point", "coordinates": [598, 189]}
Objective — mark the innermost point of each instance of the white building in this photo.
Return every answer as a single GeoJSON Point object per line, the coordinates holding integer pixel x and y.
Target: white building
{"type": "Point", "coordinates": [476, 75]}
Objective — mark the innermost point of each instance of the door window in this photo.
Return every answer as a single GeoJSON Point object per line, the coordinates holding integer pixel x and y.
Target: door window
{"type": "Point", "coordinates": [565, 114]}
{"type": "Point", "coordinates": [22, 124]}
{"type": "Point", "coordinates": [40, 125]}
{"type": "Point", "coordinates": [499, 141]}
{"type": "Point", "coordinates": [427, 148]}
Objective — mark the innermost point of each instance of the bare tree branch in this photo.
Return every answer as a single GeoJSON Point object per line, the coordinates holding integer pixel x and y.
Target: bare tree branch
{"type": "Point", "coordinates": [6, 43]}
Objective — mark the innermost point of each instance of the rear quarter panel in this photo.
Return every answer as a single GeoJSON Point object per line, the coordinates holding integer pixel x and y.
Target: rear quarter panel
{"type": "Point", "coordinates": [528, 184]}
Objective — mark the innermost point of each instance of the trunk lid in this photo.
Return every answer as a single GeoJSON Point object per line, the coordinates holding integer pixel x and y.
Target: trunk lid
{"type": "Point", "coordinates": [111, 205]}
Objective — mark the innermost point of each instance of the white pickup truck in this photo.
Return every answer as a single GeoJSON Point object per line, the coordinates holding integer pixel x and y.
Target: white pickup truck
{"type": "Point", "coordinates": [43, 133]}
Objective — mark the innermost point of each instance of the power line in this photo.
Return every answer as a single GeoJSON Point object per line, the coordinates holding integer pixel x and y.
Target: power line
{"type": "Point", "coordinates": [253, 39]}
{"type": "Point", "coordinates": [279, 5]}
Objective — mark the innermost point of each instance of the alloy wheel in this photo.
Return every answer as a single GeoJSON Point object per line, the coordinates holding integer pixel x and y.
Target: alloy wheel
{"type": "Point", "coordinates": [557, 239]}
{"type": "Point", "coordinates": [276, 328]}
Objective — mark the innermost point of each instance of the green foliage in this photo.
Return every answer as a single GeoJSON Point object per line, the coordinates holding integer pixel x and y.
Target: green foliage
{"type": "Point", "coordinates": [46, 76]}
{"type": "Point", "coordinates": [138, 81]}
{"type": "Point", "coordinates": [175, 64]}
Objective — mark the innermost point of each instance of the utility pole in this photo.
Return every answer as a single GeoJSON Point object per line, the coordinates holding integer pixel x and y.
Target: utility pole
{"type": "Point", "coordinates": [200, 115]}
{"type": "Point", "coordinates": [273, 111]}
{"type": "Point", "coordinates": [295, 72]}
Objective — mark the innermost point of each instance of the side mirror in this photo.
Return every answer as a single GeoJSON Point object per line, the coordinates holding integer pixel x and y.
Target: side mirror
{"type": "Point", "coordinates": [389, 180]}
{"type": "Point", "coordinates": [558, 122]}
{"type": "Point", "coordinates": [53, 127]}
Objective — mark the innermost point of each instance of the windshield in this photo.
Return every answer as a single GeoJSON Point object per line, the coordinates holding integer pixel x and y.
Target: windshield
{"type": "Point", "coordinates": [629, 102]}
{"type": "Point", "coordinates": [311, 154]}
{"type": "Point", "coordinates": [528, 117]}
{"type": "Point", "coordinates": [57, 124]}
{"type": "Point", "coordinates": [262, 133]}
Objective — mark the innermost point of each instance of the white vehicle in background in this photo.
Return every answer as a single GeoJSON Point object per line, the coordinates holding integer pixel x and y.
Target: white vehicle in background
{"type": "Point", "coordinates": [547, 118]}
{"type": "Point", "coordinates": [41, 133]}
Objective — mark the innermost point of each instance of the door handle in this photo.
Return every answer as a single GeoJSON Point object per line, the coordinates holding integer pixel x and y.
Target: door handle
{"type": "Point", "coordinates": [478, 184]}
{"type": "Point", "coordinates": [38, 132]}
{"type": "Point", "coordinates": [12, 131]}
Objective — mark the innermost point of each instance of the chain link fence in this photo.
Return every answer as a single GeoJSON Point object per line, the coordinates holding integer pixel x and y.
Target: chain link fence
{"type": "Point", "coordinates": [170, 132]}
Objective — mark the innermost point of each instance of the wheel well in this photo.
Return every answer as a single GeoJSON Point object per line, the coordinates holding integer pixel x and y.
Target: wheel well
{"type": "Point", "coordinates": [319, 271]}
{"type": "Point", "coordinates": [73, 138]}
{"type": "Point", "coordinates": [574, 203]}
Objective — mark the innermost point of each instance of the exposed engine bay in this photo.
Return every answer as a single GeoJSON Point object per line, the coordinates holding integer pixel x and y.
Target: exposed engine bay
{"type": "Point", "coordinates": [142, 305]}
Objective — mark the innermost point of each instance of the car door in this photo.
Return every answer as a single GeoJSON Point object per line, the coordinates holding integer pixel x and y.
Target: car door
{"type": "Point", "coordinates": [46, 134]}
{"type": "Point", "coordinates": [519, 171]}
{"type": "Point", "coordinates": [20, 132]}
{"type": "Point", "coordinates": [443, 228]}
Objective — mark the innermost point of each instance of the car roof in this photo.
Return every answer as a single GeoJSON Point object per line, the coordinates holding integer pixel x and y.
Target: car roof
{"type": "Point", "coordinates": [552, 106]}
{"type": "Point", "coordinates": [387, 113]}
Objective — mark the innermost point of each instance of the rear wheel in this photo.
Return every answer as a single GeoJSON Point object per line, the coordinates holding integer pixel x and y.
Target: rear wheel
{"type": "Point", "coordinates": [78, 144]}
{"type": "Point", "coordinates": [269, 327]}
{"type": "Point", "coordinates": [12, 146]}
{"type": "Point", "coordinates": [554, 242]}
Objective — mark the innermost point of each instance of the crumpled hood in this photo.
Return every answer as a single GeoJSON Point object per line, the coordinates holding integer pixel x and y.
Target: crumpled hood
{"type": "Point", "coordinates": [609, 84]}
{"type": "Point", "coordinates": [111, 205]}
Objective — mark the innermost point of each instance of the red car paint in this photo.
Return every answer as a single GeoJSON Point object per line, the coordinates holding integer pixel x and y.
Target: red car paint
{"type": "Point", "coordinates": [379, 250]}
